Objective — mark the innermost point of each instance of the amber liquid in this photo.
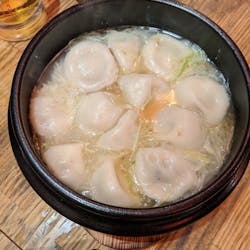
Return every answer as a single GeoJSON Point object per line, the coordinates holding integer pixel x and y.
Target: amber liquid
{"type": "Point", "coordinates": [13, 12]}
{"type": "Point", "coordinates": [20, 19]}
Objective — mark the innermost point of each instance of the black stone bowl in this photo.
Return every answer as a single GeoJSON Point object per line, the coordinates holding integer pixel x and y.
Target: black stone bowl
{"type": "Point", "coordinates": [95, 15]}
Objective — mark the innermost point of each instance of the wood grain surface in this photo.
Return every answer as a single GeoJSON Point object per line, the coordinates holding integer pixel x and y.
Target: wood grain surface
{"type": "Point", "coordinates": [27, 222]}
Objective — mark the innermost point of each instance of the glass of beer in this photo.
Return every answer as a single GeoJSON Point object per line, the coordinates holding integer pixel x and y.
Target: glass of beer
{"type": "Point", "coordinates": [20, 19]}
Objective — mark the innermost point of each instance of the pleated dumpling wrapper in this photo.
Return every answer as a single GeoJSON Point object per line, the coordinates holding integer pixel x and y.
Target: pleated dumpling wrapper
{"type": "Point", "coordinates": [126, 49]}
{"type": "Point", "coordinates": [204, 94]}
{"type": "Point", "coordinates": [164, 175]}
{"type": "Point", "coordinates": [123, 134]}
{"type": "Point", "coordinates": [180, 127]}
{"type": "Point", "coordinates": [165, 55]}
{"type": "Point", "coordinates": [67, 164]}
{"type": "Point", "coordinates": [138, 89]}
{"type": "Point", "coordinates": [51, 115]}
{"type": "Point", "coordinates": [106, 188]}
{"type": "Point", "coordinates": [97, 112]}
{"type": "Point", "coordinates": [90, 66]}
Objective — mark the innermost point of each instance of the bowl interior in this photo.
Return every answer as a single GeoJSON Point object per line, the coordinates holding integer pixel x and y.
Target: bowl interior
{"type": "Point", "coordinates": [98, 16]}
{"type": "Point", "coordinates": [95, 15]}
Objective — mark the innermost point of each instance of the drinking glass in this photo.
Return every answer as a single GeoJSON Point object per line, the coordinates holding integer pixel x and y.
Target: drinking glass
{"type": "Point", "coordinates": [20, 19]}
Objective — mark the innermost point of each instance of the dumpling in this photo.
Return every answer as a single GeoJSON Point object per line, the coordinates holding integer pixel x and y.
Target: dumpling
{"type": "Point", "coordinates": [90, 66]}
{"type": "Point", "coordinates": [97, 112]}
{"type": "Point", "coordinates": [123, 135]}
{"type": "Point", "coordinates": [126, 48]}
{"type": "Point", "coordinates": [105, 185]}
{"type": "Point", "coordinates": [66, 163]}
{"type": "Point", "coordinates": [181, 127]}
{"type": "Point", "coordinates": [164, 175]}
{"type": "Point", "coordinates": [165, 55]}
{"type": "Point", "coordinates": [159, 86]}
{"type": "Point", "coordinates": [136, 88]}
{"type": "Point", "coordinates": [50, 115]}
{"type": "Point", "coordinates": [205, 94]}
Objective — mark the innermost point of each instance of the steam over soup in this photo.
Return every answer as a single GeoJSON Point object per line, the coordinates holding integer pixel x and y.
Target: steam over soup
{"type": "Point", "coordinates": [135, 117]}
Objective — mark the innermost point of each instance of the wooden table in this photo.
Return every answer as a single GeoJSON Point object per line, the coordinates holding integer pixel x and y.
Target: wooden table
{"type": "Point", "coordinates": [27, 222]}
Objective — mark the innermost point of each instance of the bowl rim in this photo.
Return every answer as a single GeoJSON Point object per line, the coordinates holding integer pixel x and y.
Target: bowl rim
{"type": "Point", "coordinates": [40, 168]}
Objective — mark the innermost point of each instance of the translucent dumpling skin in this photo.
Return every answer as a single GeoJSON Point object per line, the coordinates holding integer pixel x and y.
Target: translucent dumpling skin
{"type": "Point", "coordinates": [66, 163]}
{"type": "Point", "coordinates": [204, 94]}
{"type": "Point", "coordinates": [90, 66]}
{"type": "Point", "coordinates": [50, 116]}
{"type": "Point", "coordinates": [133, 117]}
{"type": "Point", "coordinates": [106, 188]}
{"type": "Point", "coordinates": [180, 127]}
{"type": "Point", "coordinates": [126, 48]}
{"type": "Point", "coordinates": [159, 86]}
{"type": "Point", "coordinates": [165, 55]}
{"type": "Point", "coordinates": [123, 135]}
{"type": "Point", "coordinates": [97, 112]}
{"type": "Point", "coordinates": [164, 175]}
{"type": "Point", "coordinates": [136, 88]}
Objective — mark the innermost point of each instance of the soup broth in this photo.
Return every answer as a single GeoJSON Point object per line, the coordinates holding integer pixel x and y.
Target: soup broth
{"type": "Point", "coordinates": [136, 117]}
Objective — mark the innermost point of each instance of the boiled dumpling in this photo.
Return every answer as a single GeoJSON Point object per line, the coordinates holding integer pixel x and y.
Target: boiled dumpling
{"type": "Point", "coordinates": [165, 55]}
{"type": "Point", "coordinates": [126, 48]}
{"type": "Point", "coordinates": [159, 86]}
{"type": "Point", "coordinates": [105, 185]}
{"type": "Point", "coordinates": [90, 66]}
{"type": "Point", "coordinates": [139, 88]}
{"type": "Point", "coordinates": [50, 115]}
{"type": "Point", "coordinates": [136, 88]}
{"type": "Point", "coordinates": [97, 112]}
{"type": "Point", "coordinates": [205, 94]}
{"type": "Point", "coordinates": [66, 163]}
{"type": "Point", "coordinates": [181, 127]}
{"type": "Point", "coordinates": [164, 175]}
{"type": "Point", "coordinates": [123, 135]}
